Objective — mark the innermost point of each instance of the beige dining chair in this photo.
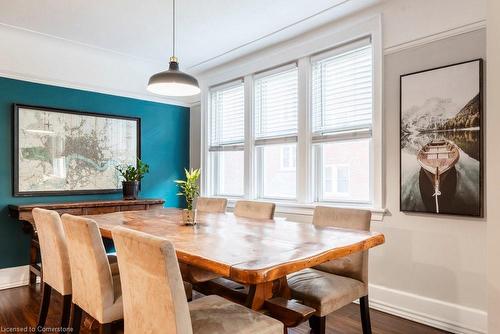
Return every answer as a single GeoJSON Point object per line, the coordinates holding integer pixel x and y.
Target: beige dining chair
{"type": "Point", "coordinates": [55, 264]}
{"type": "Point", "coordinates": [56, 273]}
{"type": "Point", "coordinates": [191, 273]}
{"type": "Point", "coordinates": [254, 209]}
{"type": "Point", "coordinates": [149, 267]}
{"type": "Point", "coordinates": [336, 283]}
{"type": "Point", "coordinates": [251, 210]}
{"type": "Point", "coordinates": [211, 204]}
{"type": "Point", "coordinates": [95, 290]}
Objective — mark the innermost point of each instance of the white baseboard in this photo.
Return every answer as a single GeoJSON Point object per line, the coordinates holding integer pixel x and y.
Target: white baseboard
{"type": "Point", "coordinates": [443, 315]}
{"type": "Point", "coordinates": [14, 277]}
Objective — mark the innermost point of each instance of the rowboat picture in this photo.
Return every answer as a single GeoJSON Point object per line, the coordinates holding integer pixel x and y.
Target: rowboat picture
{"type": "Point", "coordinates": [441, 140]}
{"type": "Point", "coordinates": [437, 158]}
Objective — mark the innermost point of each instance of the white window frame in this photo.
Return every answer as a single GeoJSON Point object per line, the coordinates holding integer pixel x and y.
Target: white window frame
{"type": "Point", "coordinates": [300, 50]}
{"type": "Point", "coordinates": [212, 182]}
{"type": "Point", "coordinates": [260, 144]}
{"type": "Point", "coordinates": [318, 177]}
{"type": "Point", "coordinates": [348, 135]}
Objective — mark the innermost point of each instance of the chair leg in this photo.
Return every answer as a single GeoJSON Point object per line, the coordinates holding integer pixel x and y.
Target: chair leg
{"type": "Point", "coordinates": [77, 319]}
{"type": "Point", "coordinates": [317, 324]}
{"type": "Point", "coordinates": [105, 329]}
{"type": "Point", "coordinates": [44, 306]}
{"type": "Point", "coordinates": [365, 315]}
{"type": "Point", "coordinates": [66, 311]}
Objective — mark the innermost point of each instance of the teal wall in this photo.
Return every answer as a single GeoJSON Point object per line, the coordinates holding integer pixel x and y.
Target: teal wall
{"type": "Point", "coordinates": [164, 146]}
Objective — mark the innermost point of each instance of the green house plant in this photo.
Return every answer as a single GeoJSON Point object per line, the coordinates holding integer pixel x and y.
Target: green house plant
{"type": "Point", "coordinates": [190, 189]}
{"type": "Point", "coordinates": [132, 176]}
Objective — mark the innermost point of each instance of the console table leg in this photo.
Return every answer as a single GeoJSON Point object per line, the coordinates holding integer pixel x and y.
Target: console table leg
{"type": "Point", "coordinates": [35, 268]}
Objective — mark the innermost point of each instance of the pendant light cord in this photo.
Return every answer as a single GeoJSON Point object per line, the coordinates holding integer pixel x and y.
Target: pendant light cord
{"type": "Point", "coordinates": [173, 28]}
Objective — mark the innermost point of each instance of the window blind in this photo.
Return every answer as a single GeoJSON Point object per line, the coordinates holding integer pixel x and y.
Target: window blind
{"type": "Point", "coordinates": [227, 117]}
{"type": "Point", "coordinates": [276, 103]}
{"type": "Point", "coordinates": [342, 92]}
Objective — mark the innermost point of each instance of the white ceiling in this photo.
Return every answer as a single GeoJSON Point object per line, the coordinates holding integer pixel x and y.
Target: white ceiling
{"type": "Point", "coordinates": [209, 32]}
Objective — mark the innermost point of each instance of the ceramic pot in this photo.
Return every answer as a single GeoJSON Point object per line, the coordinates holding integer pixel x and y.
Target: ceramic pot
{"type": "Point", "coordinates": [130, 190]}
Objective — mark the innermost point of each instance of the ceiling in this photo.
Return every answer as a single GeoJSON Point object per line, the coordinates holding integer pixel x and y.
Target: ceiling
{"type": "Point", "coordinates": [209, 32]}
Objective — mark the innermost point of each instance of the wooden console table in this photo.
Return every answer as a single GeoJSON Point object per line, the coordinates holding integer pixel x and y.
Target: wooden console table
{"type": "Point", "coordinates": [23, 214]}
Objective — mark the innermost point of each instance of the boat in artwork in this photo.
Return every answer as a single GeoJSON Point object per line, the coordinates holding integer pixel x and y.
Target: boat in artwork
{"type": "Point", "coordinates": [437, 158]}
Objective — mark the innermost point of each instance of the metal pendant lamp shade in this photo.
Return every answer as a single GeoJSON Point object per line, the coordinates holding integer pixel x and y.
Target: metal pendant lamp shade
{"type": "Point", "coordinates": [173, 82]}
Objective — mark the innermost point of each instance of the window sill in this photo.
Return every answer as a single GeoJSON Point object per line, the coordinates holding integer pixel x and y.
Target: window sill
{"type": "Point", "coordinates": [308, 209]}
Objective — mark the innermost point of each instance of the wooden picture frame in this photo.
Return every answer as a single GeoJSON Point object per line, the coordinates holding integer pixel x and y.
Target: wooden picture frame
{"type": "Point", "coordinates": [70, 150]}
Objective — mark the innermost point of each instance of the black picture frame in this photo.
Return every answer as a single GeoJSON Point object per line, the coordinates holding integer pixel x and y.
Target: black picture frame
{"type": "Point", "coordinates": [15, 156]}
{"type": "Point", "coordinates": [480, 212]}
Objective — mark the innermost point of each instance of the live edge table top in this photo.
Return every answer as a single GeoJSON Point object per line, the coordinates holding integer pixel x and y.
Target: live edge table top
{"type": "Point", "coordinates": [245, 250]}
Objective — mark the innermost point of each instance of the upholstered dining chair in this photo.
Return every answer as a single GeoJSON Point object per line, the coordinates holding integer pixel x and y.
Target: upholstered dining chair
{"type": "Point", "coordinates": [211, 204]}
{"type": "Point", "coordinates": [336, 283]}
{"type": "Point", "coordinates": [191, 273]}
{"type": "Point", "coordinates": [149, 268]}
{"type": "Point", "coordinates": [254, 209]}
{"type": "Point", "coordinates": [56, 273]}
{"type": "Point", "coordinates": [95, 290]}
{"type": "Point", "coordinates": [55, 264]}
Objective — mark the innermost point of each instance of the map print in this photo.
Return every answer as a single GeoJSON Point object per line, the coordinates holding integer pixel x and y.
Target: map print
{"type": "Point", "coordinates": [60, 151]}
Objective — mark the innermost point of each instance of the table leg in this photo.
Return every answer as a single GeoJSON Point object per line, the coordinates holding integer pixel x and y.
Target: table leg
{"type": "Point", "coordinates": [281, 288]}
{"type": "Point", "coordinates": [35, 268]}
{"type": "Point", "coordinates": [259, 293]}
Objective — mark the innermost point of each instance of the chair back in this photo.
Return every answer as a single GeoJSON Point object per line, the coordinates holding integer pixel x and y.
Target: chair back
{"type": "Point", "coordinates": [91, 274]}
{"type": "Point", "coordinates": [355, 265]}
{"type": "Point", "coordinates": [254, 209]}
{"type": "Point", "coordinates": [211, 204]}
{"type": "Point", "coordinates": [149, 268]}
{"type": "Point", "coordinates": [54, 251]}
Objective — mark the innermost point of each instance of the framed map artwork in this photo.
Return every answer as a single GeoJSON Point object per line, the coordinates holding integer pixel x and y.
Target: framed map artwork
{"type": "Point", "coordinates": [64, 152]}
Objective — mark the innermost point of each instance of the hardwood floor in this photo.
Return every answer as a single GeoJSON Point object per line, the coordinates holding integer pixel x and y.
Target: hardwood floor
{"type": "Point", "coordinates": [19, 308]}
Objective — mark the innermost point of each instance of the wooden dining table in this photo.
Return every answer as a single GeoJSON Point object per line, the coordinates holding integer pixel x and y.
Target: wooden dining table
{"type": "Point", "coordinates": [258, 253]}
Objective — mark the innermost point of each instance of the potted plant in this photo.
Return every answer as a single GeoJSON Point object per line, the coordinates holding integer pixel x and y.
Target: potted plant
{"type": "Point", "coordinates": [190, 189]}
{"type": "Point", "coordinates": [132, 176]}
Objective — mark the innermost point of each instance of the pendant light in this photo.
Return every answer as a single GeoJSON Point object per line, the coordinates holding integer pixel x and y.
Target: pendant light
{"type": "Point", "coordinates": [173, 82]}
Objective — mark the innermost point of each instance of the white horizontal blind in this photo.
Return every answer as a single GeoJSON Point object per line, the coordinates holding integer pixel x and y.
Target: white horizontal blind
{"type": "Point", "coordinates": [227, 117]}
{"type": "Point", "coordinates": [342, 92]}
{"type": "Point", "coordinates": [276, 103]}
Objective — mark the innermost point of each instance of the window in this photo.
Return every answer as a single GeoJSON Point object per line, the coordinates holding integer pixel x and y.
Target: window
{"type": "Point", "coordinates": [308, 136]}
{"type": "Point", "coordinates": [226, 140]}
{"type": "Point", "coordinates": [342, 179]}
{"type": "Point", "coordinates": [328, 180]}
{"type": "Point", "coordinates": [276, 103]}
{"type": "Point", "coordinates": [288, 157]}
{"type": "Point", "coordinates": [341, 123]}
{"type": "Point", "coordinates": [336, 180]}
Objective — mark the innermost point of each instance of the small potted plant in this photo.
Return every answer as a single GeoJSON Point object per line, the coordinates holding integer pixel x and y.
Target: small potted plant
{"type": "Point", "coordinates": [132, 176]}
{"type": "Point", "coordinates": [190, 189]}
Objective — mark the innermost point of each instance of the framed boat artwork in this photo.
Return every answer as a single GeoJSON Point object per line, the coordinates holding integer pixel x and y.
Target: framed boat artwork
{"type": "Point", "coordinates": [67, 152]}
{"type": "Point", "coordinates": [441, 149]}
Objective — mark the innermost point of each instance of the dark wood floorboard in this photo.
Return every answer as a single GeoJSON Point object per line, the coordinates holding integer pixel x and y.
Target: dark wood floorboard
{"type": "Point", "coordinates": [19, 308]}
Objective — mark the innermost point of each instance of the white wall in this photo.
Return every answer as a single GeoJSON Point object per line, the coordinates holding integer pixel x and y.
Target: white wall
{"type": "Point", "coordinates": [431, 269]}
{"type": "Point", "coordinates": [440, 260]}
{"type": "Point", "coordinates": [410, 21]}
{"type": "Point", "coordinates": [405, 23]}
{"type": "Point", "coordinates": [35, 57]}
{"type": "Point", "coordinates": [493, 158]}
